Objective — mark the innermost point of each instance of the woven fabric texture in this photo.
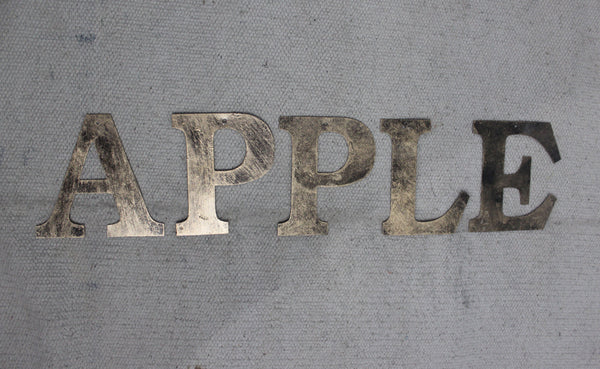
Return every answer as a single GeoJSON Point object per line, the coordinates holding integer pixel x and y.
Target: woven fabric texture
{"type": "Point", "coordinates": [354, 298]}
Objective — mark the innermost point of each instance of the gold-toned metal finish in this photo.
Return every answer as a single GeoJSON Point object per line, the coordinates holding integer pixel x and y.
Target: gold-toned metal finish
{"type": "Point", "coordinates": [306, 179]}
{"type": "Point", "coordinates": [494, 180]}
{"type": "Point", "coordinates": [199, 130]}
{"type": "Point", "coordinates": [120, 182]}
{"type": "Point", "coordinates": [405, 136]}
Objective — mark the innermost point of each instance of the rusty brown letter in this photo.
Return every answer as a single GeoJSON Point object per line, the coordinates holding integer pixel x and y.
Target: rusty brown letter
{"type": "Point", "coordinates": [306, 179]}
{"type": "Point", "coordinates": [494, 180]}
{"type": "Point", "coordinates": [405, 136]}
{"type": "Point", "coordinates": [120, 182]}
{"type": "Point", "coordinates": [199, 130]}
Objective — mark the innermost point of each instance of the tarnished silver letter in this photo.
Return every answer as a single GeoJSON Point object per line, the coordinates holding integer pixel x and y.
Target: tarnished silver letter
{"type": "Point", "coordinates": [199, 130]}
{"type": "Point", "coordinates": [494, 180]}
{"type": "Point", "coordinates": [305, 133]}
{"type": "Point", "coordinates": [405, 136]}
{"type": "Point", "coordinates": [120, 182]}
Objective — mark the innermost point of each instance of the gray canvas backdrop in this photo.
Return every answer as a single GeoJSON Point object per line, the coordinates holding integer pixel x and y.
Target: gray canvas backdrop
{"type": "Point", "coordinates": [250, 299]}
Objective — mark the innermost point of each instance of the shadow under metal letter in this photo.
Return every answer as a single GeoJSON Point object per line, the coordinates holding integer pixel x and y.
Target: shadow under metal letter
{"type": "Point", "coordinates": [120, 182]}
{"type": "Point", "coordinates": [306, 179]}
{"type": "Point", "coordinates": [199, 130]}
{"type": "Point", "coordinates": [405, 137]}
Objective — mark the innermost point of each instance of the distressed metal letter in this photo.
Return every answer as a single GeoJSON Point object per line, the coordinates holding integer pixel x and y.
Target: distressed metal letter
{"type": "Point", "coordinates": [494, 180]}
{"type": "Point", "coordinates": [305, 133]}
{"type": "Point", "coordinates": [199, 130]}
{"type": "Point", "coordinates": [120, 182]}
{"type": "Point", "coordinates": [405, 136]}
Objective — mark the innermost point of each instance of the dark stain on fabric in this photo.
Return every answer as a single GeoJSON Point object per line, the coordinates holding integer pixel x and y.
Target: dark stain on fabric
{"type": "Point", "coordinates": [466, 300]}
{"type": "Point", "coordinates": [85, 38]}
{"type": "Point", "coordinates": [27, 156]}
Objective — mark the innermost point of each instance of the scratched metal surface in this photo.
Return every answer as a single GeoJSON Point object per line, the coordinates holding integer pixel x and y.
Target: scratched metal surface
{"type": "Point", "coordinates": [354, 298]}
